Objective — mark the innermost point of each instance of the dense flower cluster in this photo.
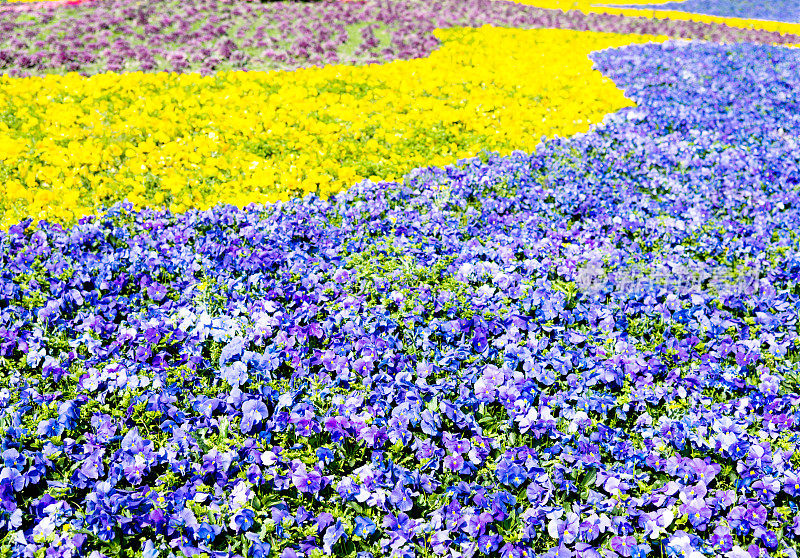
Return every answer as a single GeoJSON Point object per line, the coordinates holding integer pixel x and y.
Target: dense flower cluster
{"type": "Point", "coordinates": [588, 351]}
{"type": "Point", "coordinates": [323, 129]}
{"type": "Point", "coordinates": [190, 142]}
{"type": "Point", "coordinates": [690, 11]}
{"type": "Point", "coordinates": [583, 5]}
{"type": "Point", "coordinates": [775, 10]}
{"type": "Point", "coordinates": [67, 2]}
{"type": "Point", "coordinates": [180, 36]}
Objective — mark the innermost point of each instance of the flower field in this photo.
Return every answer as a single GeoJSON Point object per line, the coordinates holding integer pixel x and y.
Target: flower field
{"type": "Point", "coordinates": [378, 278]}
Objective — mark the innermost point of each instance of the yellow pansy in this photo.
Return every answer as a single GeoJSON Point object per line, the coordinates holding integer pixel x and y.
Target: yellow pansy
{"type": "Point", "coordinates": [185, 140]}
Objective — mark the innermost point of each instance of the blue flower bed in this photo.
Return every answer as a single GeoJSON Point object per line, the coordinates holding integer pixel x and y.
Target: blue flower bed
{"type": "Point", "coordinates": [775, 10]}
{"type": "Point", "coordinates": [587, 351]}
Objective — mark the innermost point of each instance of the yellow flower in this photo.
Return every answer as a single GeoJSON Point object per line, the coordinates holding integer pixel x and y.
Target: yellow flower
{"type": "Point", "coordinates": [185, 141]}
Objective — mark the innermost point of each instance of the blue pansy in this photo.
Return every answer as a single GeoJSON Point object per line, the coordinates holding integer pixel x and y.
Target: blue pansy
{"type": "Point", "coordinates": [364, 527]}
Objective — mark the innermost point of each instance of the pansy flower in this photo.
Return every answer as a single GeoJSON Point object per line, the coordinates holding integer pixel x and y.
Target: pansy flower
{"type": "Point", "coordinates": [791, 483]}
{"type": "Point", "coordinates": [487, 544]}
{"type": "Point", "coordinates": [697, 512]}
{"type": "Point", "coordinates": [305, 481]}
{"type": "Point", "coordinates": [402, 497]}
{"type": "Point", "coordinates": [566, 530]}
{"type": "Point", "coordinates": [453, 463]}
{"type": "Point", "coordinates": [364, 527]}
{"type": "Point", "coordinates": [766, 488]}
